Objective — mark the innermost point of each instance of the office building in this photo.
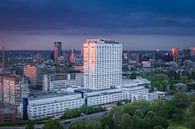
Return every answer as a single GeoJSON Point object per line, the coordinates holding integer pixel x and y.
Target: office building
{"type": "Point", "coordinates": [8, 113]}
{"type": "Point", "coordinates": [146, 64]}
{"type": "Point", "coordinates": [158, 54]}
{"type": "Point", "coordinates": [185, 54]}
{"type": "Point", "coordinates": [175, 54]}
{"type": "Point", "coordinates": [102, 97]}
{"type": "Point", "coordinates": [50, 105]}
{"type": "Point", "coordinates": [35, 75]}
{"type": "Point", "coordinates": [72, 57]}
{"type": "Point", "coordinates": [56, 51]}
{"type": "Point", "coordinates": [78, 68]}
{"type": "Point", "coordinates": [102, 64]}
{"type": "Point", "coordinates": [53, 104]}
{"type": "Point", "coordinates": [60, 81]}
{"type": "Point", "coordinates": [167, 57]}
{"type": "Point", "coordinates": [192, 51]}
{"type": "Point", "coordinates": [12, 89]}
{"type": "Point", "coordinates": [136, 89]}
{"type": "Point", "coordinates": [3, 58]}
{"type": "Point", "coordinates": [125, 56]}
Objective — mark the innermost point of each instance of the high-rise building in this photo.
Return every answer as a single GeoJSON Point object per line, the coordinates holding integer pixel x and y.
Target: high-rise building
{"type": "Point", "coordinates": [35, 75]}
{"type": "Point", "coordinates": [158, 55]}
{"type": "Point", "coordinates": [175, 53]}
{"type": "Point", "coordinates": [185, 54]}
{"type": "Point", "coordinates": [125, 56]}
{"type": "Point", "coordinates": [167, 57]}
{"type": "Point", "coordinates": [192, 51]}
{"type": "Point", "coordinates": [56, 51]}
{"type": "Point", "coordinates": [3, 58]}
{"type": "Point", "coordinates": [102, 64]}
{"type": "Point", "coordinates": [72, 57]}
{"type": "Point", "coordinates": [12, 89]}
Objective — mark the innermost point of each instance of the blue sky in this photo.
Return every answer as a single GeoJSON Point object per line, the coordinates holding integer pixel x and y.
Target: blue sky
{"type": "Point", "coordinates": [138, 24]}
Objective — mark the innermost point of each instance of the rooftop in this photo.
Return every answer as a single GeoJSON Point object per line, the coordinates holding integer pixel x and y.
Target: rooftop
{"type": "Point", "coordinates": [100, 40]}
{"type": "Point", "coordinates": [44, 95]}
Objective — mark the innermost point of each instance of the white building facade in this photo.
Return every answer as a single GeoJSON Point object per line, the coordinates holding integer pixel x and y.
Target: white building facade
{"type": "Point", "coordinates": [51, 106]}
{"type": "Point", "coordinates": [59, 81]}
{"type": "Point", "coordinates": [102, 64]}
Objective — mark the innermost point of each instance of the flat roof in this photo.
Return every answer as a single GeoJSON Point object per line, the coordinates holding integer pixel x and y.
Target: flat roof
{"type": "Point", "coordinates": [101, 40]}
{"type": "Point", "coordinates": [44, 95]}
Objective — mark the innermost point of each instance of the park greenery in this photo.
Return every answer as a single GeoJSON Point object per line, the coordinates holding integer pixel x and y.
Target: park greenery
{"type": "Point", "coordinates": [84, 110]}
{"type": "Point", "coordinates": [52, 124]}
{"type": "Point", "coordinates": [161, 79]}
{"type": "Point", "coordinates": [178, 113]}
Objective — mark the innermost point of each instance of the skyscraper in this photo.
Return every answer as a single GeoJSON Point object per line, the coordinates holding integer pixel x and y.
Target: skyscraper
{"type": "Point", "coordinates": [158, 55]}
{"type": "Point", "coordinates": [192, 51]}
{"type": "Point", "coordinates": [72, 57]}
{"type": "Point", "coordinates": [175, 53]}
{"type": "Point", "coordinates": [102, 64]}
{"type": "Point", "coordinates": [185, 54]}
{"type": "Point", "coordinates": [56, 51]}
{"type": "Point", "coordinates": [3, 58]}
{"type": "Point", "coordinates": [11, 89]}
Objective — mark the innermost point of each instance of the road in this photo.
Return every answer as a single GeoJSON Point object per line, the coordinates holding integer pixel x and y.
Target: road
{"type": "Point", "coordinates": [91, 117]}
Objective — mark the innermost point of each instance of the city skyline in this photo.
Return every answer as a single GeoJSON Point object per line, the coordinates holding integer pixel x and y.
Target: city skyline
{"type": "Point", "coordinates": [137, 24]}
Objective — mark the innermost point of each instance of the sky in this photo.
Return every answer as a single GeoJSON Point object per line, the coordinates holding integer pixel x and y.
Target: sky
{"type": "Point", "coordinates": [137, 24]}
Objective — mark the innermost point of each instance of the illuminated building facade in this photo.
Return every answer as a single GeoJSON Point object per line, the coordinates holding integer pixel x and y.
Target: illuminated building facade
{"type": "Point", "coordinates": [102, 64]}
{"type": "Point", "coordinates": [72, 57]}
{"type": "Point", "coordinates": [175, 53]}
{"type": "Point", "coordinates": [12, 89]}
{"type": "Point", "coordinates": [56, 51]}
{"type": "Point", "coordinates": [185, 54]}
{"type": "Point", "coordinates": [192, 51]}
{"type": "Point", "coordinates": [35, 75]}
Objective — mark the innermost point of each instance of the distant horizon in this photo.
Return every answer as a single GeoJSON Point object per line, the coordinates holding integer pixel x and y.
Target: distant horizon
{"type": "Point", "coordinates": [79, 49]}
{"type": "Point", "coordinates": [134, 42]}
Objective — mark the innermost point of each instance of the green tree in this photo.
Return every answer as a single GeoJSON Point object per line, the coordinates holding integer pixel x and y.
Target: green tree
{"type": "Point", "coordinates": [107, 121]}
{"type": "Point", "coordinates": [29, 125]}
{"type": "Point", "coordinates": [160, 81]}
{"type": "Point", "coordinates": [192, 108]}
{"type": "Point", "coordinates": [184, 79]}
{"type": "Point", "coordinates": [160, 121]}
{"type": "Point", "coordinates": [150, 115]}
{"type": "Point", "coordinates": [116, 116]}
{"type": "Point", "coordinates": [133, 75]}
{"type": "Point", "coordinates": [192, 123]}
{"type": "Point", "coordinates": [79, 125]}
{"type": "Point", "coordinates": [158, 127]}
{"type": "Point", "coordinates": [52, 124]}
{"type": "Point", "coordinates": [125, 122]}
{"type": "Point", "coordinates": [181, 100]}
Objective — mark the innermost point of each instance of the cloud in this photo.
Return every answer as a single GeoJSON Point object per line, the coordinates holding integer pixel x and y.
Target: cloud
{"type": "Point", "coordinates": [96, 17]}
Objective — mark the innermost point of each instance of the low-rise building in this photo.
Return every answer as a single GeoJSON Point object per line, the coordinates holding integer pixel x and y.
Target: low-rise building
{"type": "Point", "coordinates": [135, 89]}
{"type": "Point", "coordinates": [59, 81]}
{"type": "Point", "coordinates": [101, 97]}
{"type": "Point", "coordinates": [49, 105]}
{"type": "Point", "coordinates": [7, 113]}
{"type": "Point", "coordinates": [53, 104]}
{"type": "Point", "coordinates": [181, 87]}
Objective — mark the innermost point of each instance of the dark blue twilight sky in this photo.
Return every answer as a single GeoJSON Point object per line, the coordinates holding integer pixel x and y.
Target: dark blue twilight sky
{"type": "Point", "coordinates": [138, 24]}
